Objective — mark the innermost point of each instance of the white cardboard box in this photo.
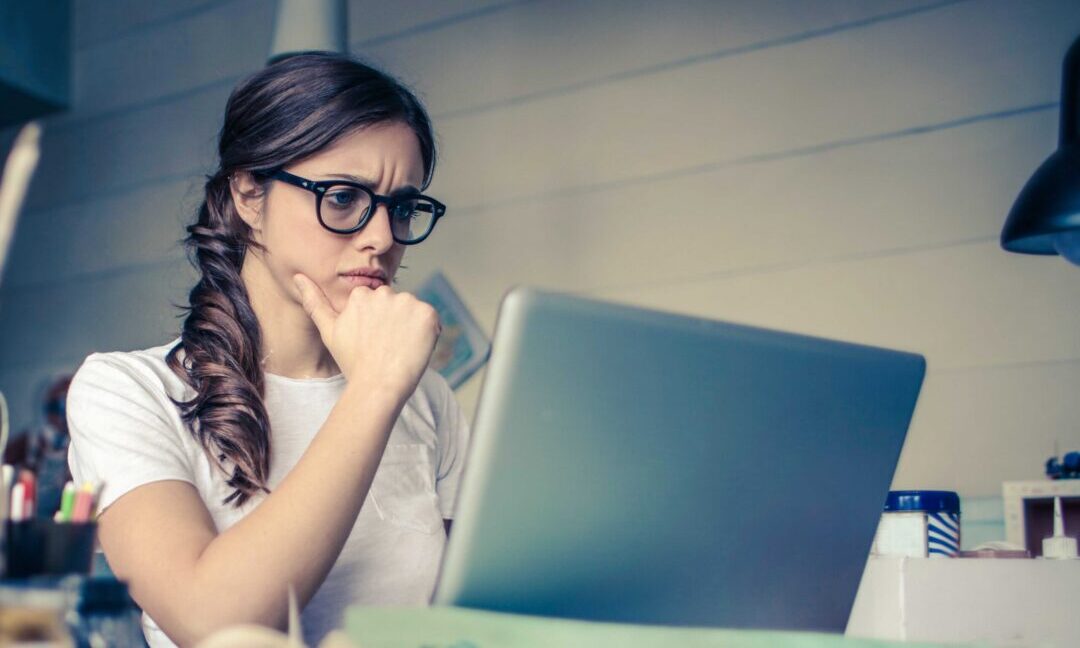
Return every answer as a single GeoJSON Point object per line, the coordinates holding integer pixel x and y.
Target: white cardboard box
{"type": "Point", "coordinates": [1001, 602]}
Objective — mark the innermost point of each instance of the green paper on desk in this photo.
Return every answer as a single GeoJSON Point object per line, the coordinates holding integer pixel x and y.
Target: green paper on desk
{"type": "Point", "coordinates": [452, 627]}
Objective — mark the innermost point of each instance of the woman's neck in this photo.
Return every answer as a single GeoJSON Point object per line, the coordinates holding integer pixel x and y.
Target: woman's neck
{"type": "Point", "coordinates": [291, 345]}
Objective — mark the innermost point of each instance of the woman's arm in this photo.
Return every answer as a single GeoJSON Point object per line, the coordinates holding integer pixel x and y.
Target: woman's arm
{"type": "Point", "coordinates": [191, 581]}
{"type": "Point", "coordinates": [160, 538]}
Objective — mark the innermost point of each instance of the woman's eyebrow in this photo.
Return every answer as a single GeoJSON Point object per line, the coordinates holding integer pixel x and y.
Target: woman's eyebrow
{"type": "Point", "coordinates": [367, 182]}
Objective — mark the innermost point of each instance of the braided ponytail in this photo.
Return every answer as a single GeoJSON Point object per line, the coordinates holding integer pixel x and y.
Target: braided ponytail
{"type": "Point", "coordinates": [221, 339]}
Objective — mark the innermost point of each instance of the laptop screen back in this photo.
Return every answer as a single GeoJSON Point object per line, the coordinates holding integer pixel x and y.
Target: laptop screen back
{"type": "Point", "coordinates": [635, 466]}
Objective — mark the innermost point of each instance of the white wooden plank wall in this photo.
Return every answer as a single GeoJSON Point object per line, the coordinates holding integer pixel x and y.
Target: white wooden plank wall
{"type": "Point", "coordinates": [835, 167]}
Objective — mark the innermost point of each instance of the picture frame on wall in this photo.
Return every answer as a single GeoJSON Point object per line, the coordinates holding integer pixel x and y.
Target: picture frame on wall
{"type": "Point", "coordinates": [462, 347]}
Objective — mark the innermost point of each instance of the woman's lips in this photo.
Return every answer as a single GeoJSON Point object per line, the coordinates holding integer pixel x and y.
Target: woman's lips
{"type": "Point", "coordinates": [363, 280]}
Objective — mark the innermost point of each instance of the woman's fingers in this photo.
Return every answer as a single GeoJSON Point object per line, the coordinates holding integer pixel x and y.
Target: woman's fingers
{"type": "Point", "coordinates": [317, 306]}
{"type": "Point", "coordinates": [380, 336]}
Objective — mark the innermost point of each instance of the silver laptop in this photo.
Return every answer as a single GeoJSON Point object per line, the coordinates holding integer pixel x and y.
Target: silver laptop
{"type": "Point", "coordinates": [636, 466]}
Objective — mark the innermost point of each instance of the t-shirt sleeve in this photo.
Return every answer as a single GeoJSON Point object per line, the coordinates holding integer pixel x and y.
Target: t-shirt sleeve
{"type": "Point", "coordinates": [122, 435]}
{"type": "Point", "coordinates": [453, 436]}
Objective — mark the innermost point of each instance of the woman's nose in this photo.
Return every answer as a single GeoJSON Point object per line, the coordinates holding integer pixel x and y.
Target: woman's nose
{"type": "Point", "coordinates": [375, 234]}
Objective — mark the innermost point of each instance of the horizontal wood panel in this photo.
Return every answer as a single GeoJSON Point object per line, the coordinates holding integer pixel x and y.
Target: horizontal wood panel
{"type": "Point", "coordinates": [542, 47]}
{"type": "Point", "coordinates": [963, 307]}
{"type": "Point", "coordinates": [103, 235]}
{"type": "Point", "coordinates": [105, 157]}
{"type": "Point", "coordinates": [960, 306]}
{"type": "Point", "coordinates": [975, 429]}
{"type": "Point", "coordinates": [187, 45]}
{"type": "Point", "coordinates": [915, 192]}
{"type": "Point", "coordinates": [885, 78]}
{"type": "Point", "coordinates": [226, 41]}
{"type": "Point", "coordinates": [98, 21]}
{"type": "Point", "coordinates": [372, 20]}
{"type": "Point", "coordinates": [805, 94]}
{"type": "Point", "coordinates": [126, 311]}
{"type": "Point", "coordinates": [859, 83]}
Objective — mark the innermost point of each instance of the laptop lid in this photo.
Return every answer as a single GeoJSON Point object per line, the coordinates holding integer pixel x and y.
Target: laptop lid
{"type": "Point", "coordinates": [637, 466]}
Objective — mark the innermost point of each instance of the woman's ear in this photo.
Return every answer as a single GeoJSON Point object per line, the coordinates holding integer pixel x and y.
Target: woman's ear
{"type": "Point", "coordinates": [248, 195]}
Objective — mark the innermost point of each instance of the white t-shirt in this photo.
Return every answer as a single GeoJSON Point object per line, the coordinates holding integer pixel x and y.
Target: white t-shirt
{"type": "Point", "coordinates": [125, 433]}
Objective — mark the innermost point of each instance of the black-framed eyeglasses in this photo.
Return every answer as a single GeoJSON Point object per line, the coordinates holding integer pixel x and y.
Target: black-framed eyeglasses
{"type": "Point", "coordinates": [344, 207]}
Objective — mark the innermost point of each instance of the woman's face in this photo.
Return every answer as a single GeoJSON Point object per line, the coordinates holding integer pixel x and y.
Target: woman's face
{"type": "Point", "coordinates": [384, 157]}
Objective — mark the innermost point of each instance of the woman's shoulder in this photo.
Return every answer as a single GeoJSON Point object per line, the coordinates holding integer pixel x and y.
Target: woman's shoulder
{"type": "Point", "coordinates": [433, 392]}
{"type": "Point", "coordinates": [428, 404]}
{"type": "Point", "coordinates": [141, 368]}
{"type": "Point", "coordinates": [433, 385]}
{"type": "Point", "coordinates": [125, 428]}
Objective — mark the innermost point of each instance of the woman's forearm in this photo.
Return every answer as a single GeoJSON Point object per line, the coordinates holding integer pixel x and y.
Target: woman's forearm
{"type": "Point", "coordinates": [296, 534]}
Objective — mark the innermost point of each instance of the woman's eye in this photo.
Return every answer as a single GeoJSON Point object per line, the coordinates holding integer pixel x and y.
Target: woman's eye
{"type": "Point", "coordinates": [405, 210]}
{"type": "Point", "coordinates": [341, 198]}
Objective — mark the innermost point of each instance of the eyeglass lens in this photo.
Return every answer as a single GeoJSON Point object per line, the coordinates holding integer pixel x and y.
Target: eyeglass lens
{"type": "Point", "coordinates": [343, 207]}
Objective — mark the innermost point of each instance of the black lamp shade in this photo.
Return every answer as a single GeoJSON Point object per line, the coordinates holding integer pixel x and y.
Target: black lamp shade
{"type": "Point", "coordinates": [1049, 203]}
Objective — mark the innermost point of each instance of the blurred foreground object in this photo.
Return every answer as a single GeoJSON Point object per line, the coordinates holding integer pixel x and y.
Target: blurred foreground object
{"type": "Point", "coordinates": [18, 171]}
{"type": "Point", "coordinates": [42, 447]}
{"type": "Point", "coordinates": [248, 635]}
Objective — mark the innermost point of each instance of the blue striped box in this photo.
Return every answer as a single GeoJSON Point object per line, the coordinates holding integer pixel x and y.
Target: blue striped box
{"type": "Point", "coordinates": [922, 524]}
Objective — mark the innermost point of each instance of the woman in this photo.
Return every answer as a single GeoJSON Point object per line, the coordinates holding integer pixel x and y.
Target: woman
{"type": "Point", "coordinates": [291, 435]}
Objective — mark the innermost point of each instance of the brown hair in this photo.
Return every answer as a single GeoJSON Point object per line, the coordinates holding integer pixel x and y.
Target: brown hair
{"type": "Point", "coordinates": [285, 112]}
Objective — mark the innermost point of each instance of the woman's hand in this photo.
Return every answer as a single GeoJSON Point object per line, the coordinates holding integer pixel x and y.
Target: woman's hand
{"type": "Point", "coordinates": [380, 338]}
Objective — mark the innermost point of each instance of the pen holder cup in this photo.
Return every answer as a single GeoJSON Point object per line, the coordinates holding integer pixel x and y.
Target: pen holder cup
{"type": "Point", "coordinates": [43, 547]}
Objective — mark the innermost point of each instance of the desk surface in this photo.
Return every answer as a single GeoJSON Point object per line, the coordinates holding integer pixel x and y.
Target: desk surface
{"type": "Point", "coordinates": [450, 627]}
